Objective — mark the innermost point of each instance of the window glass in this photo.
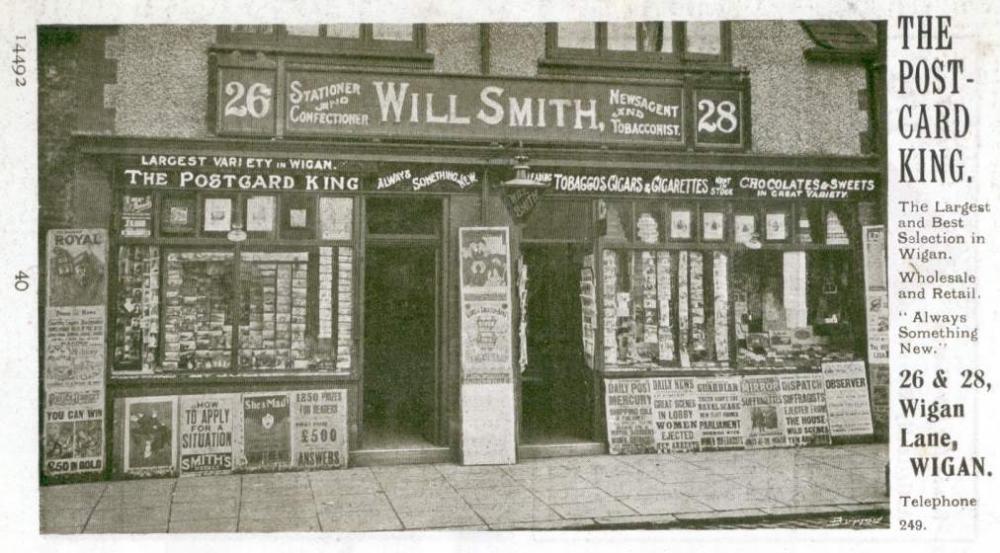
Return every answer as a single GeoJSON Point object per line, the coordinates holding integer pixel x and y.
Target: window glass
{"type": "Point", "coordinates": [272, 330]}
{"type": "Point", "coordinates": [303, 30]}
{"type": "Point", "coordinates": [704, 37]}
{"type": "Point", "coordinates": [577, 35]}
{"type": "Point", "coordinates": [559, 219]}
{"type": "Point", "coordinates": [343, 30]}
{"type": "Point", "coordinates": [137, 316]}
{"type": "Point", "coordinates": [381, 31]}
{"type": "Point", "coordinates": [403, 215]}
{"type": "Point", "coordinates": [252, 29]}
{"type": "Point", "coordinates": [622, 36]}
{"type": "Point", "coordinates": [657, 36]}
{"type": "Point", "coordinates": [665, 309]}
{"type": "Point", "coordinates": [197, 318]}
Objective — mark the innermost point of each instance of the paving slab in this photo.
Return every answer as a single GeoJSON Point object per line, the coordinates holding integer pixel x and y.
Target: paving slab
{"type": "Point", "coordinates": [438, 518]}
{"type": "Point", "coordinates": [592, 509]}
{"type": "Point", "coordinates": [577, 495]}
{"type": "Point", "coordinates": [277, 508]}
{"type": "Point", "coordinates": [736, 500]}
{"type": "Point", "coordinates": [664, 504]}
{"type": "Point", "coordinates": [60, 518]}
{"type": "Point", "coordinates": [531, 510]}
{"type": "Point", "coordinates": [359, 521]}
{"type": "Point", "coordinates": [141, 518]}
{"type": "Point", "coordinates": [221, 507]}
{"type": "Point", "coordinates": [486, 496]}
{"type": "Point", "coordinates": [203, 525]}
{"type": "Point", "coordinates": [296, 524]}
{"type": "Point", "coordinates": [357, 502]}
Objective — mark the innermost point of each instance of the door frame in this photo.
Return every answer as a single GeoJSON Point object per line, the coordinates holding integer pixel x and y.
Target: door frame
{"type": "Point", "coordinates": [438, 244]}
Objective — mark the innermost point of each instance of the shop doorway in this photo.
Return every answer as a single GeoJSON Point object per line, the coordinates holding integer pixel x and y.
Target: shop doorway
{"type": "Point", "coordinates": [556, 387]}
{"type": "Point", "coordinates": [400, 354]}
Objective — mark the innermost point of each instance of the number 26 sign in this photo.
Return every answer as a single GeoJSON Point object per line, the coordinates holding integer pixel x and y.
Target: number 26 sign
{"type": "Point", "coordinates": [246, 101]}
{"type": "Point", "coordinates": [719, 117]}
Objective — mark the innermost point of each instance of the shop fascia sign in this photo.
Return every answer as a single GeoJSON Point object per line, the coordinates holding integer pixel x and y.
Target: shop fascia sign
{"type": "Point", "coordinates": [309, 102]}
{"type": "Point", "coordinates": [225, 173]}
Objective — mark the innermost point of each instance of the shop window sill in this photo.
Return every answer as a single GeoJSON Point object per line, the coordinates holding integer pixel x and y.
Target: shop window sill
{"type": "Point", "coordinates": [593, 66]}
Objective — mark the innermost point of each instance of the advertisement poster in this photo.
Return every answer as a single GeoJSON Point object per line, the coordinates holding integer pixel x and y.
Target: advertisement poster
{"type": "Point", "coordinates": [150, 437]}
{"type": "Point", "coordinates": [847, 398]}
{"type": "Point", "coordinates": [719, 412]}
{"type": "Point", "coordinates": [335, 218]}
{"type": "Point", "coordinates": [675, 414]}
{"type": "Point", "coordinates": [260, 214]}
{"type": "Point", "coordinates": [320, 428]}
{"type": "Point", "coordinates": [761, 421]}
{"type": "Point", "coordinates": [205, 428]}
{"type": "Point", "coordinates": [629, 406]}
{"type": "Point", "coordinates": [74, 350]}
{"type": "Point", "coordinates": [137, 216]}
{"type": "Point", "coordinates": [803, 407]}
{"type": "Point", "coordinates": [876, 294]}
{"type": "Point", "coordinates": [266, 431]}
{"type": "Point", "coordinates": [486, 303]}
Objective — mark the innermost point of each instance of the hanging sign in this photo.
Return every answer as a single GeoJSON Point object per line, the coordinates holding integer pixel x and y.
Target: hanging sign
{"type": "Point", "coordinates": [75, 342]}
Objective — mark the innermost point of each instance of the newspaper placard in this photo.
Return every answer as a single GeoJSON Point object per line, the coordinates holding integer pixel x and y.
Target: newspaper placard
{"type": "Point", "coordinates": [847, 398]}
{"type": "Point", "coordinates": [629, 405]}
{"type": "Point", "coordinates": [150, 436]}
{"type": "Point", "coordinates": [719, 412]}
{"type": "Point", "coordinates": [761, 417]}
{"type": "Point", "coordinates": [267, 429]}
{"type": "Point", "coordinates": [876, 294]}
{"type": "Point", "coordinates": [804, 410]}
{"type": "Point", "coordinates": [205, 428]}
{"type": "Point", "coordinates": [320, 428]}
{"type": "Point", "coordinates": [75, 341]}
{"type": "Point", "coordinates": [675, 414]}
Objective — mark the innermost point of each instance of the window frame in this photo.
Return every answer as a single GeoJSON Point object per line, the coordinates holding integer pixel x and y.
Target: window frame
{"type": "Point", "coordinates": [678, 56]}
{"type": "Point", "coordinates": [280, 40]}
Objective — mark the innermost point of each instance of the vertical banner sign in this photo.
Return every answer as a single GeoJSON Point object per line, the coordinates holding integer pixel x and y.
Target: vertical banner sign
{"type": "Point", "coordinates": [205, 426]}
{"type": "Point", "coordinates": [629, 407]}
{"type": "Point", "coordinates": [876, 294]}
{"type": "Point", "coordinates": [762, 422]}
{"type": "Point", "coordinates": [320, 428]}
{"type": "Point", "coordinates": [150, 435]}
{"type": "Point", "coordinates": [803, 407]}
{"type": "Point", "coordinates": [719, 412]}
{"type": "Point", "coordinates": [847, 398]}
{"type": "Point", "coordinates": [675, 414]}
{"type": "Point", "coordinates": [487, 393]}
{"type": "Point", "coordinates": [75, 338]}
{"type": "Point", "coordinates": [267, 429]}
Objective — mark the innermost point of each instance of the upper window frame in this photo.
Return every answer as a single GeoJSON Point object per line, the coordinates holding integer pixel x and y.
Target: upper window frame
{"type": "Point", "coordinates": [282, 41]}
{"type": "Point", "coordinates": [677, 57]}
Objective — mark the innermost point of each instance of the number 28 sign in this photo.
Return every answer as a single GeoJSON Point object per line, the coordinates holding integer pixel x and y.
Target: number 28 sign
{"type": "Point", "coordinates": [719, 117]}
{"type": "Point", "coordinates": [247, 99]}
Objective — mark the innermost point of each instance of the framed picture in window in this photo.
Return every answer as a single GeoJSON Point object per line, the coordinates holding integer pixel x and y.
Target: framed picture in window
{"type": "Point", "coordinates": [776, 225]}
{"type": "Point", "coordinates": [744, 228]}
{"type": "Point", "coordinates": [260, 213]}
{"type": "Point", "coordinates": [218, 215]}
{"type": "Point", "coordinates": [680, 224]}
{"type": "Point", "coordinates": [713, 226]}
{"type": "Point", "coordinates": [177, 215]}
{"type": "Point", "coordinates": [297, 219]}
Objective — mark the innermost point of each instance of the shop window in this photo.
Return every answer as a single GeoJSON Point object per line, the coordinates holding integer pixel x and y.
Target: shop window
{"type": "Point", "coordinates": [192, 300]}
{"type": "Point", "coordinates": [794, 309]}
{"type": "Point", "coordinates": [665, 309]}
{"type": "Point", "coordinates": [331, 38]}
{"type": "Point", "coordinates": [647, 41]}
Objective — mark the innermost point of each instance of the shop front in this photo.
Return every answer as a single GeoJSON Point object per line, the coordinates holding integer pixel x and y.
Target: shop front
{"type": "Point", "coordinates": [349, 273]}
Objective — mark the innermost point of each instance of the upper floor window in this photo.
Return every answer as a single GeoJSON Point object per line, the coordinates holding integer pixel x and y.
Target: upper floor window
{"type": "Point", "coordinates": [670, 41]}
{"type": "Point", "coordinates": [330, 37]}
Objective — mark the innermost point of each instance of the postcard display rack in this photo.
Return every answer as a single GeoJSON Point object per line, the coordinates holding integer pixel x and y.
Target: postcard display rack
{"type": "Point", "coordinates": [709, 341]}
{"type": "Point", "coordinates": [193, 308]}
